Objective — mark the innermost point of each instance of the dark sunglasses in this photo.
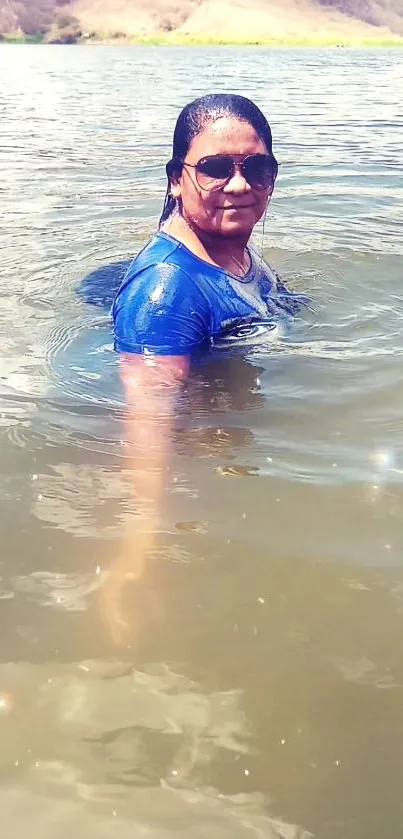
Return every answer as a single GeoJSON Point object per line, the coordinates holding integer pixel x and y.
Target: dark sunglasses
{"type": "Point", "coordinates": [214, 171]}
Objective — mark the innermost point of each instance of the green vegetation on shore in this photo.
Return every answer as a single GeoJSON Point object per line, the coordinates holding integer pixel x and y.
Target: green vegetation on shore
{"type": "Point", "coordinates": [286, 41]}
{"type": "Point", "coordinates": [181, 39]}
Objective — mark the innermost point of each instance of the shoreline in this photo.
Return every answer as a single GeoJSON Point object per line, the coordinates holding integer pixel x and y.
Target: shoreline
{"type": "Point", "coordinates": [179, 40]}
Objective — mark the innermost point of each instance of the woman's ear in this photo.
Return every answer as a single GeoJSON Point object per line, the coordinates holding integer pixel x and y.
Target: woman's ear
{"type": "Point", "coordinates": [174, 172]}
{"type": "Point", "coordinates": [175, 188]}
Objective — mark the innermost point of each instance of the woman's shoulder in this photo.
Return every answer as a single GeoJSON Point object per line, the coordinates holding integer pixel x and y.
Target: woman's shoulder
{"type": "Point", "coordinates": [159, 250]}
{"type": "Point", "coordinates": [159, 306]}
{"type": "Point", "coordinates": [161, 277]}
{"type": "Point", "coordinates": [163, 273]}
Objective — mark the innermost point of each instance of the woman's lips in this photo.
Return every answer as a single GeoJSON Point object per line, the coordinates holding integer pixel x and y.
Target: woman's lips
{"type": "Point", "coordinates": [237, 207]}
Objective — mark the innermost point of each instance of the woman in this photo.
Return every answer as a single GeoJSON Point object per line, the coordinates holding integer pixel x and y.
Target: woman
{"type": "Point", "coordinates": [197, 276]}
{"type": "Point", "coordinates": [196, 280]}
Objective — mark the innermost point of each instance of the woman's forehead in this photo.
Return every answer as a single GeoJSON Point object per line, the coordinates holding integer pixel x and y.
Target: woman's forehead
{"type": "Point", "coordinates": [226, 135]}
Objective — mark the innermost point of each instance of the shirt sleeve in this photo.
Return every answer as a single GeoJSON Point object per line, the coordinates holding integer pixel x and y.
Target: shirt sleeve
{"type": "Point", "coordinates": [160, 310]}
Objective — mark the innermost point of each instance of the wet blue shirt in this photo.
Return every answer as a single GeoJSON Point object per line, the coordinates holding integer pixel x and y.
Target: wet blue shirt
{"type": "Point", "coordinates": [172, 302]}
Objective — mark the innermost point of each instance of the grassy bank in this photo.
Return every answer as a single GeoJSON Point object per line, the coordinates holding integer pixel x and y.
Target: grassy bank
{"type": "Point", "coordinates": [19, 39]}
{"type": "Point", "coordinates": [181, 39]}
{"type": "Point", "coordinates": [162, 39]}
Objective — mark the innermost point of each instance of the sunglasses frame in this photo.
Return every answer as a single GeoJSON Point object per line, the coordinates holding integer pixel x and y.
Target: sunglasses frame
{"type": "Point", "coordinates": [241, 164]}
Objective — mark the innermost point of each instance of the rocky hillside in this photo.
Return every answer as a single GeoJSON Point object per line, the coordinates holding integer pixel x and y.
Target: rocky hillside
{"type": "Point", "coordinates": [226, 20]}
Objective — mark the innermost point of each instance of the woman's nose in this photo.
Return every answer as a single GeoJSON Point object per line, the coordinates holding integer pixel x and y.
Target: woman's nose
{"type": "Point", "coordinates": [237, 183]}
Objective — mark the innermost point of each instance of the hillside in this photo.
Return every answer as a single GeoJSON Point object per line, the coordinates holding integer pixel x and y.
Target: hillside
{"type": "Point", "coordinates": [282, 21]}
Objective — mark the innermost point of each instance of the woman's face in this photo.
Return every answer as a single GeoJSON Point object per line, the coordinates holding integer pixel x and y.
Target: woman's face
{"type": "Point", "coordinates": [234, 209]}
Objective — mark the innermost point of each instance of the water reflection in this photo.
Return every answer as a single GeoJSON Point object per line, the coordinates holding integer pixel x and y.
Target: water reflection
{"type": "Point", "coordinates": [133, 744]}
{"type": "Point", "coordinates": [202, 742]}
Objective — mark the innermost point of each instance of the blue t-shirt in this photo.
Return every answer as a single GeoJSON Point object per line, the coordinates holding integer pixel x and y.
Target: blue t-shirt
{"type": "Point", "coordinates": [171, 302]}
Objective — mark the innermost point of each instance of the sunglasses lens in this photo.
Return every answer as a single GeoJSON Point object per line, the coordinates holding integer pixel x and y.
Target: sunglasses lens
{"type": "Point", "coordinates": [260, 170]}
{"type": "Point", "coordinates": [212, 171]}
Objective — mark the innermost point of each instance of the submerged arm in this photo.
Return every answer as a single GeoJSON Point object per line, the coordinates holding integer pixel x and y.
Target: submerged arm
{"type": "Point", "coordinates": [151, 384]}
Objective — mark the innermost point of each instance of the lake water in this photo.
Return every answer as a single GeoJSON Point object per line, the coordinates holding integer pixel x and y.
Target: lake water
{"type": "Point", "coordinates": [261, 692]}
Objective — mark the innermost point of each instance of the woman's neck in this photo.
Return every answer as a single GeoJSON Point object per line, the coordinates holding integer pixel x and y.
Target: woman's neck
{"type": "Point", "coordinates": [227, 253]}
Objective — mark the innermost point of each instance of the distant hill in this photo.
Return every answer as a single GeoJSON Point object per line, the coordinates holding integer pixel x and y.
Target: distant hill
{"type": "Point", "coordinates": [203, 20]}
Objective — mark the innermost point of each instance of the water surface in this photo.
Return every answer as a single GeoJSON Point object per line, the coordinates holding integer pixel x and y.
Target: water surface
{"type": "Point", "coordinates": [261, 691]}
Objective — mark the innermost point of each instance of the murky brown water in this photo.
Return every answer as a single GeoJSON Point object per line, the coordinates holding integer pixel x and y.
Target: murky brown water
{"type": "Point", "coordinates": [261, 691]}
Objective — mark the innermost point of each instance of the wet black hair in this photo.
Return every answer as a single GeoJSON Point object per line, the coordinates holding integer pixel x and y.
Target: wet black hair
{"type": "Point", "coordinates": [195, 116]}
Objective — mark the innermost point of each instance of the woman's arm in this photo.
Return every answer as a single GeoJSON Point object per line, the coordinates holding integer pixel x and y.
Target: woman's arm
{"type": "Point", "coordinates": [151, 384]}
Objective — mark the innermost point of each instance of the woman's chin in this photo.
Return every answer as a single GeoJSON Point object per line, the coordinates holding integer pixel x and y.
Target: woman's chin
{"type": "Point", "coordinates": [236, 221]}
{"type": "Point", "coordinates": [236, 227]}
